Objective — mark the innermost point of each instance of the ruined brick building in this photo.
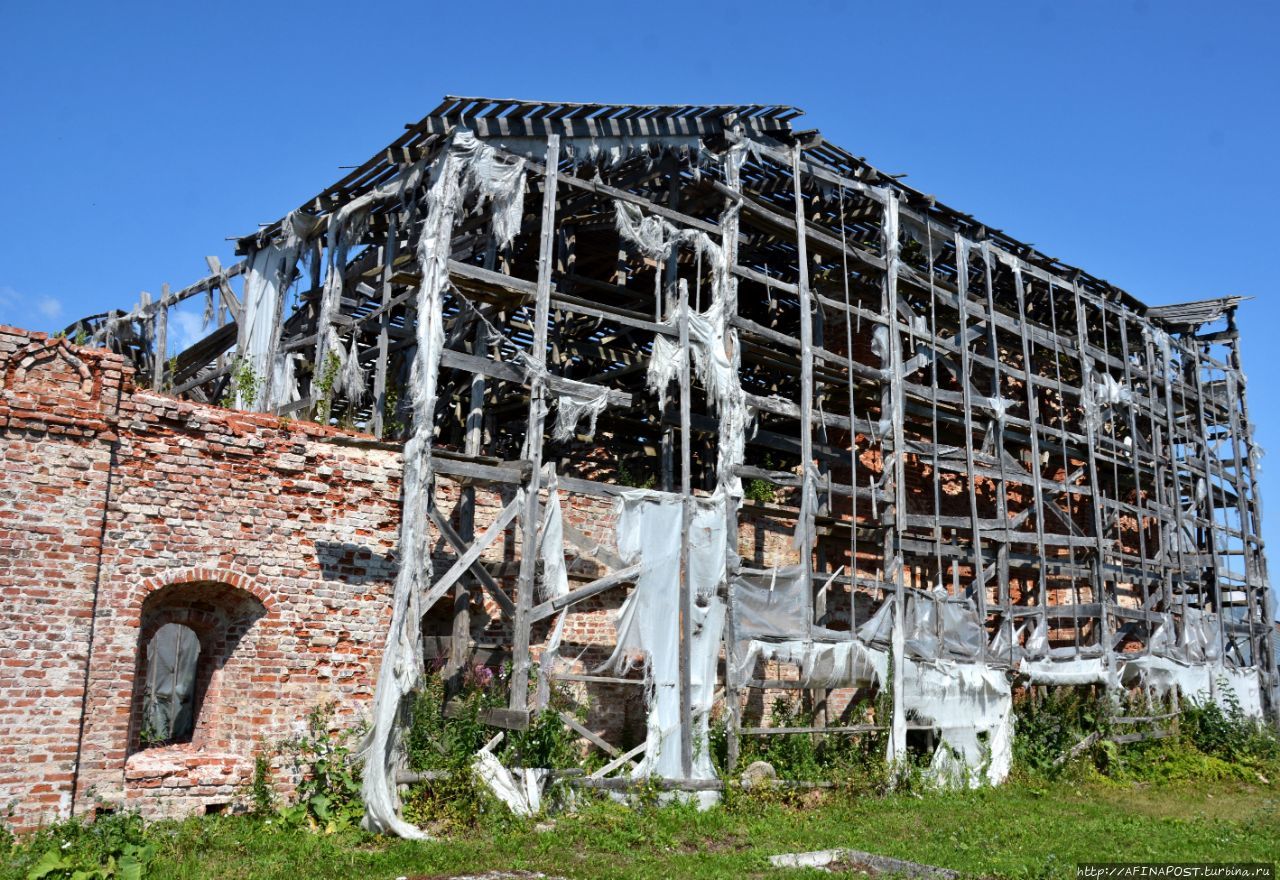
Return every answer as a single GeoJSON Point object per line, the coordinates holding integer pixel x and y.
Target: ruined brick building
{"type": "Point", "coordinates": [679, 405]}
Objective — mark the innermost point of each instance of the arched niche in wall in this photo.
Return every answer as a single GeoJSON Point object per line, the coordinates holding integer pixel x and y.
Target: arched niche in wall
{"type": "Point", "coordinates": [195, 659]}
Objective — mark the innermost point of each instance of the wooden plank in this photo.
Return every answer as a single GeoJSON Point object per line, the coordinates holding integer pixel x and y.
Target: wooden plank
{"type": "Point", "coordinates": [596, 587]}
{"type": "Point", "coordinates": [384, 327]}
{"type": "Point", "coordinates": [161, 356]}
{"type": "Point", "coordinates": [508, 719]}
{"type": "Point", "coordinates": [590, 736]}
{"type": "Point", "coordinates": [804, 529]}
{"type": "Point", "coordinates": [477, 568]}
{"type": "Point", "coordinates": [534, 436]}
{"type": "Point", "coordinates": [686, 526]}
{"type": "Point", "coordinates": [468, 558]}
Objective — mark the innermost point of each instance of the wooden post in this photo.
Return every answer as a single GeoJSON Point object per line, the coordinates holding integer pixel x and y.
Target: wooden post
{"type": "Point", "coordinates": [162, 339]}
{"type": "Point", "coordinates": [384, 329]}
{"type": "Point", "coordinates": [1033, 416]}
{"type": "Point", "coordinates": [686, 523]}
{"type": "Point", "coordinates": [729, 241]}
{"type": "Point", "coordinates": [893, 536]}
{"type": "Point", "coordinates": [533, 439]}
{"type": "Point", "coordinates": [966, 391]}
{"type": "Point", "coordinates": [1099, 523]}
{"type": "Point", "coordinates": [997, 425]}
{"type": "Point", "coordinates": [467, 508]}
{"type": "Point", "coordinates": [804, 527]}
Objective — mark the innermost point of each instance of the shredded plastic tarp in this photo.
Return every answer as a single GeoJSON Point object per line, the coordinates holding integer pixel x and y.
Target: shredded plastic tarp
{"type": "Point", "coordinates": [1229, 687]}
{"type": "Point", "coordinates": [463, 166]}
{"type": "Point", "coordinates": [970, 705]}
{"type": "Point", "coordinates": [520, 789]}
{"type": "Point", "coordinates": [578, 400]}
{"type": "Point", "coordinates": [1201, 640]}
{"type": "Point", "coordinates": [650, 525]}
{"type": "Point", "coordinates": [1084, 670]}
{"type": "Point", "coordinates": [1101, 393]}
{"type": "Point", "coordinates": [268, 274]}
{"type": "Point", "coordinates": [822, 664]}
{"type": "Point", "coordinates": [713, 343]}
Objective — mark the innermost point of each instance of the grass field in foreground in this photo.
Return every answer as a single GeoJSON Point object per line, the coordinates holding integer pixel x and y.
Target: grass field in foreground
{"type": "Point", "coordinates": [1019, 830]}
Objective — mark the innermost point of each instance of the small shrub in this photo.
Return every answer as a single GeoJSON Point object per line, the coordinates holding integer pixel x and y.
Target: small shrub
{"type": "Point", "coordinates": [324, 386]}
{"type": "Point", "coordinates": [636, 479]}
{"type": "Point", "coordinates": [114, 846]}
{"type": "Point", "coordinates": [262, 797]}
{"type": "Point", "coordinates": [759, 490]}
{"type": "Point", "coordinates": [244, 387]}
{"type": "Point", "coordinates": [1049, 727]}
{"type": "Point", "coordinates": [329, 781]}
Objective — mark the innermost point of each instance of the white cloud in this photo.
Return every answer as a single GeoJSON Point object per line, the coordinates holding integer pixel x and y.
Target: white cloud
{"type": "Point", "coordinates": [185, 330]}
{"type": "Point", "coordinates": [48, 307]}
{"type": "Point", "coordinates": [37, 312]}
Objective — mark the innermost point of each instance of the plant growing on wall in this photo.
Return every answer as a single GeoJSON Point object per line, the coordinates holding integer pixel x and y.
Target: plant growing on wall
{"type": "Point", "coordinates": [324, 386]}
{"type": "Point", "coordinates": [244, 387]}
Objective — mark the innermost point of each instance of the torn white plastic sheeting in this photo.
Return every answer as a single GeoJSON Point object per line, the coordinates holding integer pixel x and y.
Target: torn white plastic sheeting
{"type": "Point", "coordinates": [771, 604]}
{"type": "Point", "coordinates": [997, 406]}
{"type": "Point", "coordinates": [649, 533]}
{"type": "Point", "coordinates": [263, 278]}
{"type": "Point", "coordinates": [1201, 637]}
{"type": "Point", "coordinates": [577, 401]}
{"type": "Point", "coordinates": [1102, 392]}
{"type": "Point", "coordinates": [971, 706]}
{"type": "Point", "coordinates": [937, 626]}
{"type": "Point", "coordinates": [519, 788]}
{"type": "Point", "coordinates": [823, 664]}
{"type": "Point", "coordinates": [713, 343]}
{"type": "Point", "coordinates": [1092, 670]}
{"type": "Point", "coordinates": [1228, 687]}
{"type": "Point", "coordinates": [555, 575]}
{"type": "Point", "coordinates": [463, 165]}
{"type": "Point", "coordinates": [1243, 686]}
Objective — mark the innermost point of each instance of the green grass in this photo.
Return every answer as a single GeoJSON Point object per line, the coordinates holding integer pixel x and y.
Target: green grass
{"type": "Point", "coordinates": [1024, 829]}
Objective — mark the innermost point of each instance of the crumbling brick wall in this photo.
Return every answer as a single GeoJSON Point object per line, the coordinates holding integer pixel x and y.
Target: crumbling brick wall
{"type": "Point", "coordinates": [123, 508]}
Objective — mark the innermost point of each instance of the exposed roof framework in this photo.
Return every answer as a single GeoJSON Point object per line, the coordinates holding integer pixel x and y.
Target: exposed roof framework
{"type": "Point", "coordinates": [938, 410]}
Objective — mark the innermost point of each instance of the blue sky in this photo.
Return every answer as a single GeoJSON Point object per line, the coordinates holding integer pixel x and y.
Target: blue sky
{"type": "Point", "coordinates": [1134, 139]}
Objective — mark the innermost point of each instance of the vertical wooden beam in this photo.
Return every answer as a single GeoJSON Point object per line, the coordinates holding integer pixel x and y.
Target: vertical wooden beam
{"type": "Point", "coordinates": [893, 558]}
{"type": "Point", "coordinates": [1252, 529]}
{"type": "Point", "coordinates": [1211, 504]}
{"type": "Point", "coordinates": [805, 526]}
{"type": "Point", "coordinates": [1175, 470]}
{"type": "Point", "coordinates": [1136, 454]}
{"type": "Point", "coordinates": [1033, 416]}
{"type": "Point", "coordinates": [1100, 577]}
{"type": "Point", "coordinates": [1161, 459]}
{"type": "Point", "coordinates": [686, 523]}
{"type": "Point", "coordinates": [966, 393]}
{"type": "Point", "coordinates": [161, 319]}
{"type": "Point", "coordinates": [384, 329]}
{"type": "Point", "coordinates": [1062, 345]}
{"type": "Point", "coordinates": [997, 424]}
{"type": "Point", "coordinates": [729, 242]}
{"type": "Point", "coordinates": [467, 508]}
{"type": "Point", "coordinates": [533, 439]}
{"type": "Point", "coordinates": [668, 270]}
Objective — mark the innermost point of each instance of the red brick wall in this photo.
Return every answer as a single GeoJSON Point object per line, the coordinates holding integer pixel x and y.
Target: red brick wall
{"type": "Point", "coordinates": [57, 417]}
{"type": "Point", "coordinates": [272, 540]}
